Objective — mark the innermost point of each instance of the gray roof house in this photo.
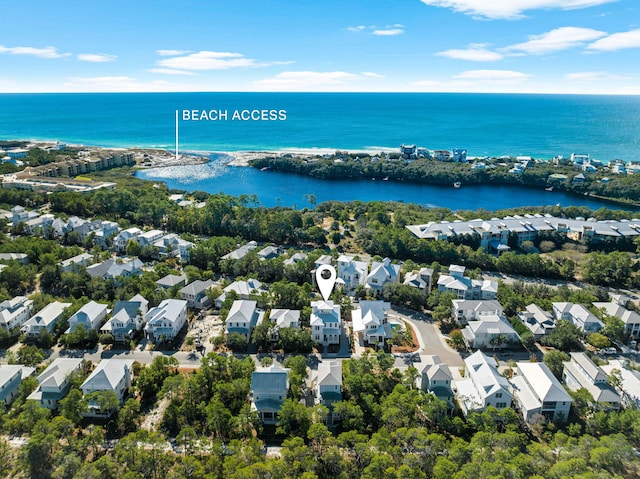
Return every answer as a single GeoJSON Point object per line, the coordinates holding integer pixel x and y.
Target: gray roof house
{"type": "Point", "coordinates": [113, 269]}
{"type": "Point", "coordinates": [54, 381]}
{"type": "Point", "coordinates": [243, 317]}
{"type": "Point", "coordinates": [165, 321]}
{"type": "Point", "coordinates": [327, 383]}
{"type": "Point", "coordinates": [483, 385]}
{"type": "Point", "coordinates": [435, 377]}
{"type": "Point", "coordinates": [83, 259]}
{"type": "Point", "coordinates": [370, 322]}
{"type": "Point", "coordinates": [110, 375]}
{"type": "Point", "coordinates": [579, 315]}
{"type": "Point", "coordinates": [11, 375]}
{"type": "Point", "coordinates": [490, 331]}
{"type": "Point", "coordinates": [14, 312]}
{"type": "Point", "coordinates": [538, 321]}
{"type": "Point", "coordinates": [382, 272]}
{"type": "Point", "coordinates": [352, 272]}
{"type": "Point", "coordinates": [243, 289]}
{"type": "Point", "coordinates": [45, 319]}
{"type": "Point", "coordinates": [195, 294]}
{"type": "Point", "coordinates": [539, 395]}
{"type": "Point", "coordinates": [171, 280]}
{"type": "Point", "coordinates": [241, 252]}
{"type": "Point", "coordinates": [631, 319]}
{"type": "Point", "coordinates": [421, 279]}
{"type": "Point", "coordinates": [581, 372]}
{"type": "Point", "coordinates": [91, 316]}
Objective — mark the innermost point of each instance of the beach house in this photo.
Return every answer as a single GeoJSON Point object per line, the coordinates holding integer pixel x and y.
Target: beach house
{"type": "Point", "coordinates": [243, 317]}
{"type": "Point", "coordinates": [269, 389]}
{"type": "Point", "coordinates": [127, 318]}
{"type": "Point", "coordinates": [382, 272]}
{"type": "Point", "coordinates": [165, 321]}
{"type": "Point", "coordinates": [539, 395]}
{"type": "Point", "coordinates": [326, 324]}
{"type": "Point", "coordinates": [435, 377]}
{"type": "Point", "coordinates": [482, 386]}
{"type": "Point", "coordinates": [11, 375]}
{"type": "Point", "coordinates": [110, 375]}
{"type": "Point", "coordinates": [90, 316]}
{"type": "Point", "coordinates": [582, 372]}
{"type": "Point", "coordinates": [54, 382]}
{"type": "Point", "coordinates": [195, 294]}
{"type": "Point", "coordinates": [578, 315]}
{"type": "Point", "coordinates": [14, 312]}
{"type": "Point", "coordinates": [538, 321]}
{"type": "Point", "coordinates": [44, 320]}
{"type": "Point", "coordinates": [352, 272]}
{"type": "Point", "coordinates": [370, 322]}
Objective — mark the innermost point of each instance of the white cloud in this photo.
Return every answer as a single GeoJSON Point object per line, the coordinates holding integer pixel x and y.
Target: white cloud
{"type": "Point", "coordinates": [510, 9]}
{"type": "Point", "coordinates": [46, 52]}
{"type": "Point", "coordinates": [96, 57]}
{"type": "Point", "coordinates": [208, 60]}
{"type": "Point", "coordinates": [169, 71]}
{"type": "Point", "coordinates": [617, 41]}
{"type": "Point", "coordinates": [314, 81]}
{"type": "Point", "coordinates": [595, 76]}
{"type": "Point", "coordinates": [473, 53]}
{"type": "Point", "coordinates": [171, 53]}
{"type": "Point", "coordinates": [386, 31]}
{"type": "Point", "coordinates": [555, 40]}
{"type": "Point", "coordinates": [508, 76]}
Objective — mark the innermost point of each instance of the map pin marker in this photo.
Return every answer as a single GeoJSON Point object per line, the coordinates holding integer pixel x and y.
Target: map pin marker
{"type": "Point", "coordinates": [326, 279]}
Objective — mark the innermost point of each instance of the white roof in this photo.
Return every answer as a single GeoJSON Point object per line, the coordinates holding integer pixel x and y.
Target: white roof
{"type": "Point", "coordinates": [544, 386]}
{"type": "Point", "coordinates": [330, 373]}
{"type": "Point", "coordinates": [481, 369]}
{"type": "Point", "coordinates": [107, 375]}
{"type": "Point", "coordinates": [56, 374]}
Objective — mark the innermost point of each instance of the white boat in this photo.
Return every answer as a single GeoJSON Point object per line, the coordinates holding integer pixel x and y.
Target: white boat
{"type": "Point", "coordinates": [457, 184]}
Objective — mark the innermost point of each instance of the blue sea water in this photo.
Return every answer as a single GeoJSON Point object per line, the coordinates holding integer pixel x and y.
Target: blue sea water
{"type": "Point", "coordinates": [542, 126]}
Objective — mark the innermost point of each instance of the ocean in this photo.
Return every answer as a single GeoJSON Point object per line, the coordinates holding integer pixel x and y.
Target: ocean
{"type": "Point", "coordinates": [541, 126]}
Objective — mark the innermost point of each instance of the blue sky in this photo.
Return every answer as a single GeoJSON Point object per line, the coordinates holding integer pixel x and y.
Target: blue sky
{"type": "Point", "coordinates": [536, 46]}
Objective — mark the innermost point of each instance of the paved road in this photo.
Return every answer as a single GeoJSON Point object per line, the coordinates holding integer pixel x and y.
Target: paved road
{"type": "Point", "coordinates": [431, 341]}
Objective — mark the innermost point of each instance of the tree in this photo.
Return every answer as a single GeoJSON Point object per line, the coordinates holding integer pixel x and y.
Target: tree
{"type": "Point", "coordinates": [565, 337]}
{"type": "Point", "coordinates": [133, 248]}
{"type": "Point", "coordinates": [104, 402]}
{"type": "Point", "coordinates": [30, 355]}
{"type": "Point", "coordinates": [295, 419]}
{"type": "Point", "coordinates": [73, 405]}
{"type": "Point", "coordinates": [554, 360]}
{"type": "Point", "coordinates": [598, 340]}
{"type": "Point", "coordinates": [129, 416]}
{"type": "Point", "coordinates": [456, 339]}
{"type": "Point", "coordinates": [614, 328]}
{"type": "Point", "coordinates": [237, 342]}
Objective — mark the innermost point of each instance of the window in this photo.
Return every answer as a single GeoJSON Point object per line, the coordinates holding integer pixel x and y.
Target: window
{"type": "Point", "coordinates": [498, 395]}
{"type": "Point", "coordinates": [501, 404]}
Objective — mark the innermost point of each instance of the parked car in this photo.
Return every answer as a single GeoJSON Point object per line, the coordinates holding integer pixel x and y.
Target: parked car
{"type": "Point", "coordinates": [609, 351]}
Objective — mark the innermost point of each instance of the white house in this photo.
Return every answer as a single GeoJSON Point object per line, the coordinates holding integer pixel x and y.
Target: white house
{"type": "Point", "coordinates": [121, 240]}
{"type": "Point", "coordinates": [539, 394]}
{"type": "Point", "coordinates": [114, 269]}
{"type": "Point", "coordinates": [327, 384]}
{"type": "Point", "coordinates": [172, 280]}
{"type": "Point", "coordinates": [127, 318]}
{"type": "Point", "coordinates": [14, 312]}
{"type": "Point", "coordinates": [538, 321]}
{"type": "Point", "coordinates": [91, 316]}
{"type": "Point", "coordinates": [370, 322]}
{"type": "Point", "coordinates": [465, 310]}
{"type": "Point", "coordinates": [435, 377]}
{"type": "Point", "coordinates": [420, 279]}
{"type": "Point", "coordinates": [483, 385]}
{"type": "Point", "coordinates": [283, 319]}
{"type": "Point", "coordinates": [165, 321]}
{"type": "Point", "coordinates": [464, 287]}
{"type": "Point", "coordinates": [269, 389]}
{"type": "Point", "coordinates": [45, 319]}
{"type": "Point", "coordinates": [490, 331]}
{"type": "Point", "coordinates": [243, 290]}
{"type": "Point", "coordinates": [243, 317]}
{"type": "Point", "coordinates": [195, 294]}
{"type": "Point", "coordinates": [352, 272]}
{"type": "Point", "coordinates": [83, 259]}
{"type": "Point", "coordinates": [55, 381]}
{"type": "Point", "coordinates": [581, 372]}
{"type": "Point", "coordinates": [295, 258]}
{"type": "Point", "coordinates": [579, 315]}
{"type": "Point", "coordinates": [629, 388]}
{"type": "Point", "coordinates": [241, 252]}
{"type": "Point", "coordinates": [325, 322]}
{"type": "Point", "coordinates": [631, 319]}
{"type": "Point", "coordinates": [11, 375]}
{"type": "Point", "coordinates": [110, 375]}
{"type": "Point", "coordinates": [382, 272]}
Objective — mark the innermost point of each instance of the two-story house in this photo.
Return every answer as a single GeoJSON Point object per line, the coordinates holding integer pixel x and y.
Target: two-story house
{"type": "Point", "coordinates": [284, 319]}
{"type": "Point", "coordinates": [44, 320]}
{"type": "Point", "coordinates": [435, 377]}
{"type": "Point", "coordinates": [382, 272]}
{"type": "Point", "coordinates": [538, 321]}
{"type": "Point", "coordinates": [327, 383]}
{"type": "Point", "coordinates": [578, 315]}
{"type": "Point", "coordinates": [110, 375]}
{"type": "Point", "coordinates": [90, 316]}
{"type": "Point", "coordinates": [11, 375]}
{"type": "Point", "coordinates": [483, 385]}
{"type": "Point", "coordinates": [243, 317]}
{"type": "Point", "coordinates": [490, 331]}
{"type": "Point", "coordinates": [242, 289]}
{"type": "Point", "coordinates": [15, 312]}
{"type": "Point", "coordinates": [269, 388]}
{"type": "Point", "coordinates": [464, 287]}
{"type": "Point", "coordinates": [465, 310]}
{"type": "Point", "coordinates": [631, 319]}
{"type": "Point", "coordinates": [326, 324]}
{"type": "Point", "coordinates": [127, 318]}
{"type": "Point", "coordinates": [195, 294]}
{"type": "Point", "coordinates": [539, 395]}
{"type": "Point", "coordinates": [582, 372]}
{"type": "Point", "coordinates": [54, 382]}
{"type": "Point", "coordinates": [165, 321]}
{"type": "Point", "coordinates": [352, 272]}
{"type": "Point", "coordinates": [420, 279]}
{"type": "Point", "coordinates": [370, 322]}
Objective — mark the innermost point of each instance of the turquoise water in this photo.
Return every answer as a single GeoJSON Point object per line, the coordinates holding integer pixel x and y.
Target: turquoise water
{"type": "Point", "coordinates": [542, 126]}
{"type": "Point", "coordinates": [606, 127]}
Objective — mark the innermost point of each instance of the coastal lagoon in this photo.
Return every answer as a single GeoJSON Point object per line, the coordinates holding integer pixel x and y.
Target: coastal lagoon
{"type": "Point", "coordinates": [275, 188]}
